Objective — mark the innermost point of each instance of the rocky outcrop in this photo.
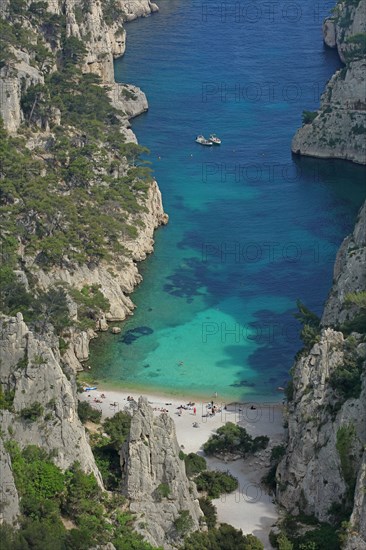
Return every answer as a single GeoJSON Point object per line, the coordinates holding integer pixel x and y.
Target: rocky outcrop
{"type": "Point", "coordinates": [9, 500]}
{"type": "Point", "coordinates": [323, 471]}
{"type": "Point", "coordinates": [31, 367]}
{"type": "Point", "coordinates": [310, 477]}
{"type": "Point", "coordinates": [338, 128]}
{"type": "Point", "coordinates": [349, 274]}
{"type": "Point", "coordinates": [348, 19]}
{"type": "Point", "coordinates": [357, 531]}
{"type": "Point", "coordinates": [154, 477]}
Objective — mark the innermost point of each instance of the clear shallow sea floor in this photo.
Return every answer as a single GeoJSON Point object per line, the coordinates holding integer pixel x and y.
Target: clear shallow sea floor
{"type": "Point", "coordinates": [252, 228]}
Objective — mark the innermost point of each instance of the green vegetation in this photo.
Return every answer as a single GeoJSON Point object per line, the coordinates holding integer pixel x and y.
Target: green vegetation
{"type": "Point", "coordinates": [214, 483]}
{"type": "Point", "coordinates": [346, 436]}
{"type": "Point", "coordinates": [225, 537]}
{"type": "Point", "coordinates": [88, 413]}
{"type": "Point", "coordinates": [195, 464]}
{"type": "Point", "coordinates": [278, 451]}
{"type": "Point", "coordinates": [106, 448]}
{"type": "Point", "coordinates": [346, 379]}
{"type": "Point", "coordinates": [33, 412]}
{"type": "Point", "coordinates": [305, 533]}
{"type": "Point", "coordinates": [91, 303]}
{"type": "Point", "coordinates": [209, 511]}
{"type": "Point", "coordinates": [111, 11]}
{"type": "Point", "coordinates": [163, 491]}
{"type": "Point", "coordinates": [357, 49]}
{"type": "Point", "coordinates": [231, 438]}
{"type": "Point", "coordinates": [118, 428]}
{"type": "Point", "coordinates": [80, 193]}
{"type": "Point", "coordinates": [48, 494]}
{"type": "Point", "coordinates": [358, 321]}
{"type": "Point", "coordinates": [309, 116]}
{"type": "Point", "coordinates": [310, 332]}
{"type": "Point", "coordinates": [6, 399]}
{"type": "Point", "coordinates": [183, 523]}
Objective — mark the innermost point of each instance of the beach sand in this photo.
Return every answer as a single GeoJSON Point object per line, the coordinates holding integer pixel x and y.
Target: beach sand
{"type": "Point", "coordinates": [250, 507]}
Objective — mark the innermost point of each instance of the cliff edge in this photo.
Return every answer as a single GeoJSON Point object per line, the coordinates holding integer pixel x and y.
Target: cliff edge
{"type": "Point", "coordinates": [338, 128]}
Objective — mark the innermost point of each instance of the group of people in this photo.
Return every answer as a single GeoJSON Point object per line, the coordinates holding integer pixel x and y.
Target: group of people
{"type": "Point", "coordinates": [130, 398]}
{"type": "Point", "coordinates": [189, 407]}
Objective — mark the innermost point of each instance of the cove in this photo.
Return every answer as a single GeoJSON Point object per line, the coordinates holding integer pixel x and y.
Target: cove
{"type": "Point", "coordinates": [252, 228]}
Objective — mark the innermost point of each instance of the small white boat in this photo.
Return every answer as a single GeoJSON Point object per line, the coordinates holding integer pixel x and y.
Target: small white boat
{"type": "Point", "coordinates": [203, 141]}
{"type": "Point", "coordinates": [214, 139]}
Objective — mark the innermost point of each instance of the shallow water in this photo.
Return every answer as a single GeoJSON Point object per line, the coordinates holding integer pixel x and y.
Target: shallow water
{"type": "Point", "coordinates": [252, 229]}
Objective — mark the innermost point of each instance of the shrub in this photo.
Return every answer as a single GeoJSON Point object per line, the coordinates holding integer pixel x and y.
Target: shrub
{"type": "Point", "coordinates": [118, 428]}
{"type": "Point", "coordinates": [163, 490]}
{"type": "Point", "coordinates": [309, 116]}
{"type": "Point", "coordinates": [86, 412]}
{"type": "Point", "coordinates": [6, 399]}
{"type": "Point", "coordinates": [33, 412]}
{"type": "Point", "coordinates": [184, 522]}
{"type": "Point", "coordinates": [345, 438]}
{"type": "Point", "coordinates": [232, 438]}
{"type": "Point", "coordinates": [194, 464]}
{"type": "Point", "coordinates": [209, 511]}
{"type": "Point", "coordinates": [225, 537]}
{"type": "Point", "coordinates": [215, 483]}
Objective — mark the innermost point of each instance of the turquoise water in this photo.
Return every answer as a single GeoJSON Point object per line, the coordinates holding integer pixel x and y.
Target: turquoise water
{"type": "Point", "coordinates": [252, 229]}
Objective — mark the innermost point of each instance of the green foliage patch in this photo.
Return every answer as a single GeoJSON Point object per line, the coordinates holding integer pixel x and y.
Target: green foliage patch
{"type": "Point", "coordinates": [225, 537]}
{"type": "Point", "coordinates": [232, 438]}
{"type": "Point", "coordinates": [216, 483]}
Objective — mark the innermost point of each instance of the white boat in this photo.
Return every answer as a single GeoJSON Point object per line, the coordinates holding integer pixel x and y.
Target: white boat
{"type": "Point", "coordinates": [214, 139]}
{"type": "Point", "coordinates": [203, 141]}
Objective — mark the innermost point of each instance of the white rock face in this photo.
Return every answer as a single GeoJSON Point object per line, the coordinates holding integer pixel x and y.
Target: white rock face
{"type": "Point", "coordinates": [349, 273]}
{"type": "Point", "coordinates": [310, 476]}
{"type": "Point", "coordinates": [31, 366]}
{"type": "Point", "coordinates": [9, 500]}
{"type": "Point", "coordinates": [149, 459]}
{"type": "Point", "coordinates": [339, 130]}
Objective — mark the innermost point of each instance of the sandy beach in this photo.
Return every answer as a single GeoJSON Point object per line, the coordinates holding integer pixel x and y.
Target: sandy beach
{"type": "Point", "coordinates": [250, 507]}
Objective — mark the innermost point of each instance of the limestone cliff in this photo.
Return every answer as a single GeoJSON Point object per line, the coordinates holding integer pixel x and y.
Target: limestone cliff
{"type": "Point", "coordinates": [154, 477]}
{"type": "Point", "coordinates": [349, 274]}
{"type": "Point", "coordinates": [323, 471]}
{"type": "Point", "coordinates": [32, 369]}
{"type": "Point", "coordinates": [29, 61]}
{"type": "Point", "coordinates": [338, 128]}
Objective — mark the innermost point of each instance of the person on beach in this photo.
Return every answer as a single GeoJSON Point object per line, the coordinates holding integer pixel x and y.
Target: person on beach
{"type": "Point", "coordinates": [194, 410]}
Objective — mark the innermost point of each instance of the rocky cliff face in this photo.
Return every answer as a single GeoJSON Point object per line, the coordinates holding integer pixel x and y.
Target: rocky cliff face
{"type": "Point", "coordinates": [150, 465]}
{"type": "Point", "coordinates": [32, 368]}
{"type": "Point", "coordinates": [338, 128]}
{"type": "Point", "coordinates": [349, 274]}
{"type": "Point", "coordinates": [323, 471]}
{"type": "Point", "coordinates": [99, 25]}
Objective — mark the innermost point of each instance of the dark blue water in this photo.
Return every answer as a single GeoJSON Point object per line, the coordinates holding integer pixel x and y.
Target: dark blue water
{"type": "Point", "coordinates": [252, 229]}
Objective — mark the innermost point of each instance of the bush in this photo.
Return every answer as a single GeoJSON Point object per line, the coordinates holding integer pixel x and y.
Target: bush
{"type": "Point", "coordinates": [163, 491]}
{"type": "Point", "coordinates": [225, 537]}
{"type": "Point", "coordinates": [33, 412]}
{"type": "Point", "coordinates": [118, 428]}
{"type": "Point", "coordinates": [194, 464]}
{"type": "Point", "coordinates": [232, 438]}
{"type": "Point", "coordinates": [6, 399]}
{"type": "Point", "coordinates": [184, 522]}
{"type": "Point", "coordinates": [86, 412]}
{"type": "Point", "coordinates": [209, 511]}
{"type": "Point", "coordinates": [309, 116]}
{"type": "Point", "coordinates": [215, 483]}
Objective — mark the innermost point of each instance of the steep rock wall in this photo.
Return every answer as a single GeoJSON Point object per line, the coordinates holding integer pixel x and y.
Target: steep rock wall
{"type": "Point", "coordinates": [151, 458]}
{"type": "Point", "coordinates": [31, 366]}
{"type": "Point", "coordinates": [339, 129]}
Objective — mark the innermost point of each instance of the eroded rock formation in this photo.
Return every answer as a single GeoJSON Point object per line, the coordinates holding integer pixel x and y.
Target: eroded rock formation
{"type": "Point", "coordinates": [154, 477]}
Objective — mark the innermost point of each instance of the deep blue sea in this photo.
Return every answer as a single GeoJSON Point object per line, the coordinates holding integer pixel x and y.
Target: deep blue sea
{"type": "Point", "coordinates": [252, 228]}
